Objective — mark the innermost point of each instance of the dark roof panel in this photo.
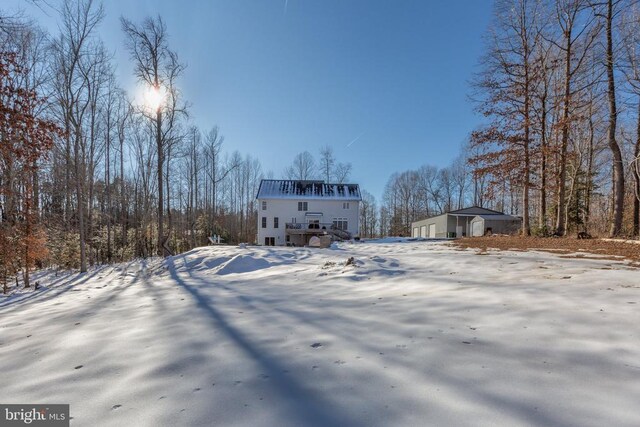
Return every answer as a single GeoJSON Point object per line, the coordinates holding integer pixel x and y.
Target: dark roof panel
{"type": "Point", "coordinates": [310, 189]}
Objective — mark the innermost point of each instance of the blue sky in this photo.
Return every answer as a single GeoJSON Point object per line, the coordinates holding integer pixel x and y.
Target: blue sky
{"type": "Point", "coordinates": [283, 76]}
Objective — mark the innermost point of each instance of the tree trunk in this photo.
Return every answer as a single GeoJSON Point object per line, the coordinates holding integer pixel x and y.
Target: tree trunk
{"type": "Point", "coordinates": [79, 195]}
{"type": "Point", "coordinates": [636, 174]}
{"type": "Point", "coordinates": [590, 161]}
{"type": "Point", "coordinates": [562, 177]}
{"type": "Point", "coordinates": [108, 190]}
{"type": "Point", "coordinates": [542, 221]}
{"type": "Point", "coordinates": [123, 216]}
{"type": "Point", "coordinates": [618, 167]}
{"type": "Point", "coordinates": [161, 240]}
{"type": "Point", "coordinates": [526, 226]}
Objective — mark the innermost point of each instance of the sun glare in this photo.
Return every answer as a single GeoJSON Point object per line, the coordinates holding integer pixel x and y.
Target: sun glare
{"type": "Point", "coordinates": [154, 97]}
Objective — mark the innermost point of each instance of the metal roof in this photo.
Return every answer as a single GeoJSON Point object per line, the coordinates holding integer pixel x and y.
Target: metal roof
{"type": "Point", "coordinates": [470, 210]}
{"type": "Point", "coordinates": [297, 189]}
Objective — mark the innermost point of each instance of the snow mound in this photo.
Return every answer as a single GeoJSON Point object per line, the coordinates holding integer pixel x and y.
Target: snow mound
{"type": "Point", "coordinates": [243, 264]}
{"type": "Point", "coordinates": [203, 263]}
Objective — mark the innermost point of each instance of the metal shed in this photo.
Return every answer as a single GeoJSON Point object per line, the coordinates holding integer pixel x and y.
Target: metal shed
{"type": "Point", "coordinates": [450, 224]}
{"type": "Point", "coordinates": [495, 224]}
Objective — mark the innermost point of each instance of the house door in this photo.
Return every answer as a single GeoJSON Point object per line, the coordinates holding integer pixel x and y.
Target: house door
{"type": "Point", "coordinates": [432, 231]}
{"type": "Point", "coordinates": [458, 231]}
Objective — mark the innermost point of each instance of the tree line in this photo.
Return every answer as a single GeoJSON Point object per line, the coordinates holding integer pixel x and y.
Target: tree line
{"type": "Point", "coordinates": [326, 167]}
{"type": "Point", "coordinates": [90, 175]}
{"type": "Point", "coordinates": [559, 85]}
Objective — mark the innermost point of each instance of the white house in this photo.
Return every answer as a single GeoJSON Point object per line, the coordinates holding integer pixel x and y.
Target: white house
{"type": "Point", "coordinates": [290, 212]}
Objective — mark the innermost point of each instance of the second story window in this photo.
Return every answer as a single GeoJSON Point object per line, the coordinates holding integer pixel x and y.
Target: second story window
{"type": "Point", "coordinates": [264, 205]}
{"type": "Point", "coordinates": [264, 222]}
{"type": "Point", "coordinates": [303, 206]}
{"type": "Point", "coordinates": [275, 222]}
{"type": "Point", "coordinates": [345, 205]}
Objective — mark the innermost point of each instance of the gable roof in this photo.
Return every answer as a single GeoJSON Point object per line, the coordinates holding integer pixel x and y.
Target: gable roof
{"type": "Point", "coordinates": [298, 189]}
{"type": "Point", "coordinates": [471, 211]}
{"type": "Point", "coordinates": [475, 210]}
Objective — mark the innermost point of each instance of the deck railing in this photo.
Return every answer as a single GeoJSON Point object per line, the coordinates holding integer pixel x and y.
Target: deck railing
{"type": "Point", "coordinates": [310, 227]}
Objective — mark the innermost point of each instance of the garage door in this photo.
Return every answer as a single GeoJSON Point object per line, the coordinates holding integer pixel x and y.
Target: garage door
{"type": "Point", "coordinates": [432, 230]}
{"type": "Point", "coordinates": [415, 232]}
{"type": "Point", "coordinates": [477, 229]}
{"type": "Point", "coordinates": [423, 231]}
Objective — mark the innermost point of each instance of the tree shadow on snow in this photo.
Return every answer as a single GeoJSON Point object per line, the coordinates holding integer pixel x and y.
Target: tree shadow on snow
{"type": "Point", "coordinates": [303, 404]}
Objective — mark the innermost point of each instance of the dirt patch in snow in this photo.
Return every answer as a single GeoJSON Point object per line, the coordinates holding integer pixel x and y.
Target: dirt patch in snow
{"type": "Point", "coordinates": [569, 247]}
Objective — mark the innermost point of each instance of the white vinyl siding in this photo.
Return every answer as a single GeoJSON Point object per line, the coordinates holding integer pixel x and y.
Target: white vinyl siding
{"type": "Point", "coordinates": [287, 212]}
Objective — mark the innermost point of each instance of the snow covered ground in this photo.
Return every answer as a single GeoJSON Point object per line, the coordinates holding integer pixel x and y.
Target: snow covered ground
{"type": "Point", "coordinates": [415, 333]}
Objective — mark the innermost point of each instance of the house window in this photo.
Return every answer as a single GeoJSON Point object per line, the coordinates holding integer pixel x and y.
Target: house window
{"type": "Point", "coordinates": [340, 223]}
{"type": "Point", "coordinates": [264, 222]}
{"type": "Point", "coordinates": [345, 205]}
{"type": "Point", "coordinates": [264, 205]}
{"type": "Point", "coordinates": [303, 206]}
{"type": "Point", "coordinates": [275, 222]}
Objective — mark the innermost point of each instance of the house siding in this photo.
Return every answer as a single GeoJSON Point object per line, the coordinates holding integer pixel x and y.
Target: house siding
{"type": "Point", "coordinates": [440, 222]}
{"type": "Point", "coordinates": [286, 210]}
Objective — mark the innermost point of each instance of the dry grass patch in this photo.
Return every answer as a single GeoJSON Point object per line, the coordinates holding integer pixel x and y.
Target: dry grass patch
{"type": "Point", "coordinates": [567, 246]}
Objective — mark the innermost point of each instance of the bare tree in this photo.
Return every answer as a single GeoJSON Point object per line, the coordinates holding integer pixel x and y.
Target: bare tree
{"type": "Point", "coordinates": [578, 33]}
{"type": "Point", "coordinates": [506, 86]}
{"type": "Point", "coordinates": [611, 10]}
{"type": "Point", "coordinates": [368, 215]}
{"type": "Point", "coordinates": [158, 68]}
{"type": "Point", "coordinates": [631, 69]}
{"type": "Point", "coordinates": [342, 172]}
{"type": "Point", "coordinates": [74, 62]}
{"type": "Point", "coordinates": [327, 163]}
{"type": "Point", "coordinates": [303, 167]}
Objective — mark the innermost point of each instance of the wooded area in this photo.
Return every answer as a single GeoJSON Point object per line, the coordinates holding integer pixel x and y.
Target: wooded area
{"type": "Point", "coordinates": [559, 86]}
{"type": "Point", "coordinates": [88, 174]}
